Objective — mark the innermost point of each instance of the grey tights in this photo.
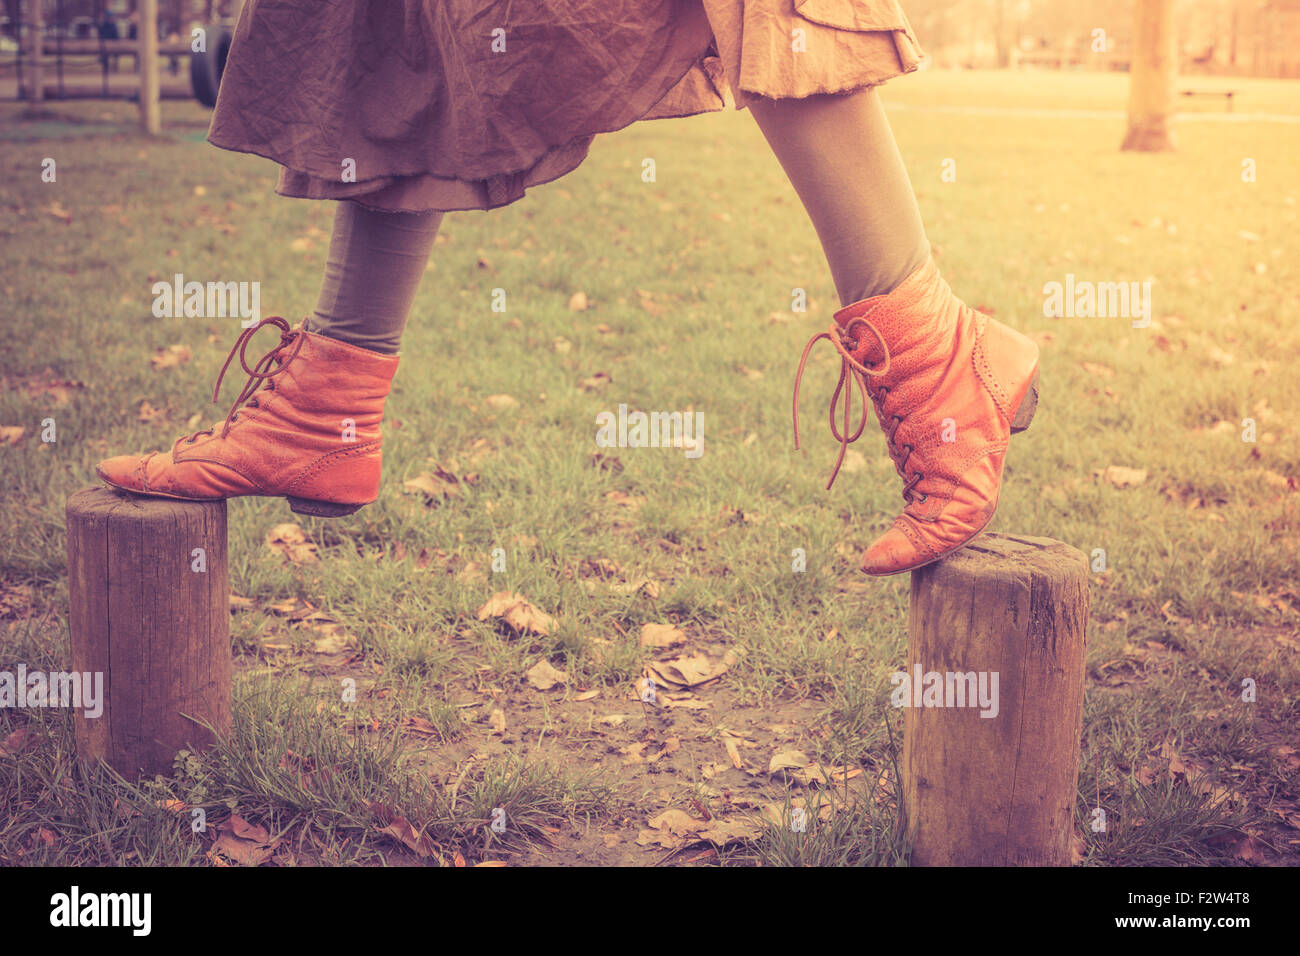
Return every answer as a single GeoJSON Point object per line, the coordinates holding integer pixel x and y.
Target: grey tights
{"type": "Point", "coordinates": [838, 151]}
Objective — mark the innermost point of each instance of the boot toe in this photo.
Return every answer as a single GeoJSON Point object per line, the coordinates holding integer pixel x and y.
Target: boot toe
{"type": "Point", "coordinates": [122, 471]}
{"type": "Point", "coordinates": [893, 552]}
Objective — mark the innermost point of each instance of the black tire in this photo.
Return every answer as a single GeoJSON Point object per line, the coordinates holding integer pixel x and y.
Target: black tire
{"type": "Point", "coordinates": [206, 67]}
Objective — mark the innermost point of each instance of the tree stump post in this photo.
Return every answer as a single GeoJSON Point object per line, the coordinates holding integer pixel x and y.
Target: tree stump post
{"type": "Point", "coordinates": [150, 610]}
{"type": "Point", "coordinates": [150, 64]}
{"type": "Point", "coordinates": [994, 782]}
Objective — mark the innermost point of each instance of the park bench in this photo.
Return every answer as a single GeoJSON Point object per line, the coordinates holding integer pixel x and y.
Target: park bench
{"type": "Point", "coordinates": [149, 597]}
{"type": "Point", "coordinates": [1227, 94]}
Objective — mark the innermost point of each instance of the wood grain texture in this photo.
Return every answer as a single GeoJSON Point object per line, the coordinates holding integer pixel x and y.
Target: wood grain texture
{"type": "Point", "coordinates": [158, 630]}
{"type": "Point", "coordinates": [998, 790]}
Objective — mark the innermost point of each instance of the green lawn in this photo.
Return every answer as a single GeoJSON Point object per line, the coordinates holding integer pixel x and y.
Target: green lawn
{"type": "Point", "coordinates": [688, 281]}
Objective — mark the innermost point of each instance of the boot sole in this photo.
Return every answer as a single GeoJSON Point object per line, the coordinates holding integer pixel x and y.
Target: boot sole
{"type": "Point", "coordinates": [1028, 405]}
{"type": "Point", "coordinates": [1024, 415]}
{"type": "Point", "coordinates": [319, 509]}
{"type": "Point", "coordinates": [302, 506]}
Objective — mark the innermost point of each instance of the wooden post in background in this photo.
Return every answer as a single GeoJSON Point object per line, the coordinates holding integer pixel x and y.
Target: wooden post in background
{"type": "Point", "coordinates": [35, 46]}
{"type": "Point", "coordinates": [150, 610]}
{"type": "Point", "coordinates": [999, 790]}
{"type": "Point", "coordinates": [150, 84]}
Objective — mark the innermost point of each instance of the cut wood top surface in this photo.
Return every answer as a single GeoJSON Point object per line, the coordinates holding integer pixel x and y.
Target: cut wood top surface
{"type": "Point", "coordinates": [104, 502]}
{"type": "Point", "coordinates": [993, 554]}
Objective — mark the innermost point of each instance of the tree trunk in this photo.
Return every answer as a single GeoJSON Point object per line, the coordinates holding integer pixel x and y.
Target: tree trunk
{"type": "Point", "coordinates": [1152, 76]}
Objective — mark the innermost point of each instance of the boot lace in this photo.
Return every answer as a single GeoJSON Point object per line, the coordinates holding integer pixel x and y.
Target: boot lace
{"type": "Point", "coordinates": [261, 372]}
{"type": "Point", "coordinates": [852, 373]}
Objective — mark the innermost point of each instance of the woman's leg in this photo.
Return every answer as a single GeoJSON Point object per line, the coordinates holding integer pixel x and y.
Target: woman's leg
{"type": "Point", "coordinates": [376, 261]}
{"type": "Point", "coordinates": [842, 160]}
{"type": "Point", "coordinates": [949, 385]}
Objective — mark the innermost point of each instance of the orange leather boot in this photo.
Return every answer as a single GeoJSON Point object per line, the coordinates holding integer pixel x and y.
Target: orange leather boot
{"type": "Point", "coordinates": [305, 425]}
{"type": "Point", "coordinates": [949, 386]}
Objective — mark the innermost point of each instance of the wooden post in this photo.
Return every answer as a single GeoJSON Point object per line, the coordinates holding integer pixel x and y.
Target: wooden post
{"type": "Point", "coordinates": [150, 84]}
{"type": "Point", "coordinates": [996, 790]}
{"type": "Point", "coordinates": [150, 610]}
{"type": "Point", "coordinates": [35, 43]}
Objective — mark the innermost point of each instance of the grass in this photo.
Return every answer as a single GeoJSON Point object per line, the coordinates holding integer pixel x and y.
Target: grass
{"type": "Point", "coordinates": [689, 281]}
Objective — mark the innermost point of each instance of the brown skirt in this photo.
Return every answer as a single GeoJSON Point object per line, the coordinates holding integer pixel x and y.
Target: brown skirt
{"type": "Point", "coordinates": [463, 104]}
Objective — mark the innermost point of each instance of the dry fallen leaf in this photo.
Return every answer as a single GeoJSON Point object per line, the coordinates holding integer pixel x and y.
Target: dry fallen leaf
{"type": "Point", "coordinates": [543, 676]}
{"type": "Point", "coordinates": [243, 843]}
{"type": "Point", "coordinates": [436, 484]}
{"type": "Point", "coordinates": [400, 829]}
{"type": "Point", "coordinates": [1249, 849]}
{"type": "Point", "coordinates": [1078, 848]}
{"type": "Point", "coordinates": [1097, 370]}
{"type": "Point", "coordinates": [674, 829]}
{"type": "Point", "coordinates": [1176, 764]}
{"type": "Point", "coordinates": [651, 588]}
{"type": "Point", "coordinates": [148, 413]}
{"type": "Point", "coordinates": [16, 600]}
{"type": "Point", "coordinates": [292, 542]}
{"type": "Point", "coordinates": [578, 302]}
{"type": "Point", "coordinates": [11, 434]}
{"type": "Point", "coordinates": [595, 382]}
{"type": "Point", "coordinates": [683, 673]}
{"type": "Point", "coordinates": [46, 385]}
{"type": "Point", "coordinates": [517, 612]}
{"type": "Point", "coordinates": [733, 751]}
{"type": "Point", "coordinates": [170, 357]}
{"type": "Point", "coordinates": [661, 635]}
{"type": "Point", "coordinates": [331, 644]}
{"type": "Point", "coordinates": [795, 765]}
{"type": "Point", "coordinates": [24, 738]}
{"type": "Point", "coordinates": [502, 401]}
{"type": "Point", "coordinates": [1121, 476]}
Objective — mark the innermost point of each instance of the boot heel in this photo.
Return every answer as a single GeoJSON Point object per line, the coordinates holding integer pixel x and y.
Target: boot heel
{"type": "Point", "coordinates": [319, 509]}
{"type": "Point", "coordinates": [1028, 405]}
